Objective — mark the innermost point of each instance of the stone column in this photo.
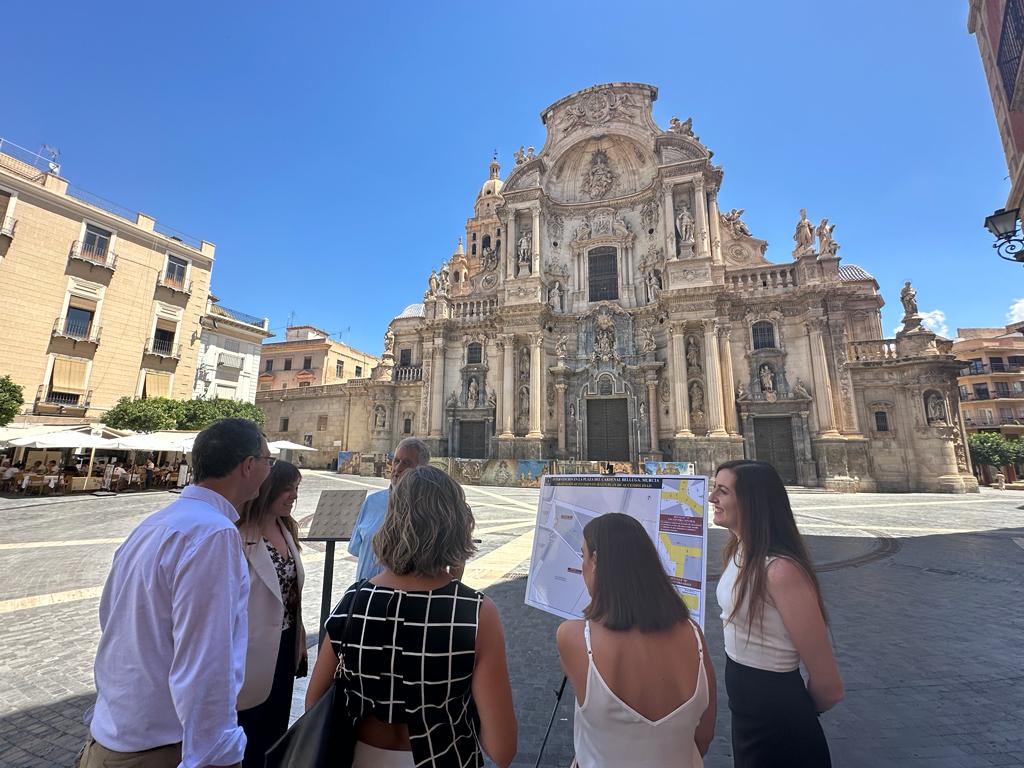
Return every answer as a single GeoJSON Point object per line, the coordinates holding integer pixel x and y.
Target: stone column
{"type": "Point", "coordinates": [536, 242]}
{"type": "Point", "coordinates": [716, 227]}
{"type": "Point", "coordinates": [822, 381]}
{"type": "Point", "coordinates": [437, 393]}
{"type": "Point", "coordinates": [507, 396]}
{"type": "Point", "coordinates": [670, 231]}
{"type": "Point", "coordinates": [701, 216]}
{"type": "Point", "coordinates": [679, 383]}
{"type": "Point", "coordinates": [536, 384]}
{"type": "Point", "coordinates": [713, 373]}
{"type": "Point", "coordinates": [652, 408]}
{"type": "Point", "coordinates": [560, 411]}
{"type": "Point", "coordinates": [510, 246]}
{"type": "Point", "coordinates": [728, 385]}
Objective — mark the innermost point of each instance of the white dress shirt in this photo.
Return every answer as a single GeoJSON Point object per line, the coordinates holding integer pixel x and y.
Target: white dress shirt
{"type": "Point", "coordinates": [173, 615]}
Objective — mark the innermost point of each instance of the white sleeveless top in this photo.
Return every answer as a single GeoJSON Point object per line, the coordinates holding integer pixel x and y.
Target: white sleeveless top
{"type": "Point", "coordinates": [767, 645]}
{"type": "Point", "coordinates": [608, 732]}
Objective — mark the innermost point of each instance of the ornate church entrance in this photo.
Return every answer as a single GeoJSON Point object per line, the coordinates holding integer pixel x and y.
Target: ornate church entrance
{"type": "Point", "coordinates": [607, 430]}
{"type": "Point", "coordinates": [472, 440]}
{"type": "Point", "coordinates": [773, 442]}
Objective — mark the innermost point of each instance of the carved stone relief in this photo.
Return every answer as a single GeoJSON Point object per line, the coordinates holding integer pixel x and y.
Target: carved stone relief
{"type": "Point", "coordinates": [596, 109]}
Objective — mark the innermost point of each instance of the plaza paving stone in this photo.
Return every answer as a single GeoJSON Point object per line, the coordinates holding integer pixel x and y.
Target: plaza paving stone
{"type": "Point", "coordinates": [924, 592]}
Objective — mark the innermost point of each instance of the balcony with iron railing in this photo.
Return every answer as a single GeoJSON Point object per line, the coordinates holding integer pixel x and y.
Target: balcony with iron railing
{"type": "Point", "coordinates": [979, 369]}
{"type": "Point", "coordinates": [1009, 55]}
{"type": "Point", "coordinates": [61, 403]}
{"type": "Point", "coordinates": [408, 373]}
{"type": "Point", "coordinates": [76, 330]}
{"type": "Point", "coordinates": [173, 284]}
{"type": "Point", "coordinates": [228, 360]}
{"type": "Point", "coordinates": [971, 397]}
{"type": "Point", "coordinates": [163, 348]}
{"type": "Point", "coordinates": [7, 226]}
{"type": "Point", "coordinates": [96, 257]}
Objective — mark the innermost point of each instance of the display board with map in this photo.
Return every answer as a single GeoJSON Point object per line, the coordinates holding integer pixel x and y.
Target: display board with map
{"type": "Point", "coordinates": [671, 508]}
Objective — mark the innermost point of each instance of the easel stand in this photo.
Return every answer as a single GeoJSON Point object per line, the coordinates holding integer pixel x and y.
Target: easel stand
{"type": "Point", "coordinates": [558, 702]}
{"type": "Point", "coordinates": [325, 596]}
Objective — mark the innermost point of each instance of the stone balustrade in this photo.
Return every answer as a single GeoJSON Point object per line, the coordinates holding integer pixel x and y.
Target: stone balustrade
{"type": "Point", "coordinates": [473, 309]}
{"type": "Point", "coordinates": [771, 278]}
{"type": "Point", "coordinates": [409, 373]}
{"type": "Point", "coordinates": [875, 349]}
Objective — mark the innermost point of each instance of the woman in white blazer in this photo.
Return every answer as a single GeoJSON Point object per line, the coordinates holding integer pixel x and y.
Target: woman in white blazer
{"type": "Point", "coordinates": [277, 639]}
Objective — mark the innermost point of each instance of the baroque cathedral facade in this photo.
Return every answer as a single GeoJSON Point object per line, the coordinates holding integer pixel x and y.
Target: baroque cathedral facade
{"type": "Point", "coordinates": [603, 308]}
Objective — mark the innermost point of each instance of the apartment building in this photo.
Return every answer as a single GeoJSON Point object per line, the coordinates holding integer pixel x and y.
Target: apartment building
{"type": "Point", "coordinates": [230, 348]}
{"type": "Point", "coordinates": [96, 302]}
{"type": "Point", "coordinates": [309, 357]}
{"type": "Point", "coordinates": [992, 379]}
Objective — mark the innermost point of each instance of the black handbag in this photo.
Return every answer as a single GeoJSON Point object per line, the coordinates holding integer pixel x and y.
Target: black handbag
{"type": "Point", "coordinates": [325, 736]}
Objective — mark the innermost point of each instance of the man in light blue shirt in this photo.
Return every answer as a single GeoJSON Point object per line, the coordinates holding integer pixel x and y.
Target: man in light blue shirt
{"type": "Point", "coordinates": [173, 619]}
{"type": "Point", "coordinates": [411, 452]}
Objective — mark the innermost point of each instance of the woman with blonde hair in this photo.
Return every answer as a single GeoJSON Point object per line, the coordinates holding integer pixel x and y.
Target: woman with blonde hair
{"type": "Point", "coordinates": [422, 655]}
{"type": "Point", "coordinates": [645, 686]}
{"type": "Point", "coordinates": [276, 650]}
{"type": "Point", "coordinates": [774, 619]}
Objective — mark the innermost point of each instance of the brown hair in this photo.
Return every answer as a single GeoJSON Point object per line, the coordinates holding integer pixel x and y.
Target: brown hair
{"type": "Point", "coordinates": [428, 527]}
{"type": "Point", "coordinates": [631, 588]}
{"type": "Point", "coordinates": [769, 530]}
{"type": "Point", "coordinates": [256, 512]}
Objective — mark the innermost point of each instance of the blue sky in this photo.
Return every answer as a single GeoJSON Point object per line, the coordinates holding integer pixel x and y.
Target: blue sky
{"type": "Point", "coordinates": [333, 151]}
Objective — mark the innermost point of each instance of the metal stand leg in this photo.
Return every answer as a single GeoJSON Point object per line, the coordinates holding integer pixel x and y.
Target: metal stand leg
{"type": "Point", "coordinates": [558, 701]}
{"type": "Point", "coordinates": [325, 600]}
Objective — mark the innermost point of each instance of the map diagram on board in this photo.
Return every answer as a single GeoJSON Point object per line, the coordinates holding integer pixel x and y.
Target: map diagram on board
{"type": "Point", "coordinates": [672, 509]}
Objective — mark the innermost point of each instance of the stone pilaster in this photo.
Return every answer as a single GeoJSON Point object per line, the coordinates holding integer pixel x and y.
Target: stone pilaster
{"type": "Point", "coordinates": [560, 411]}
{"type": "Point", "coordinates": [716, 228]}
{"type": "Point", "coordinates": [507, 394]}
{"type": "Point", "coordinates": [713, 374]}
{"type": "Point", "coordinates": [677, 359]}
{"type": "Point", "coordinates": [535, 258]}
{"type": "Point", "coordinates": [701, 216]}
{"type": "Point", "coordinates": [437, 390]}
{"type": "Point", "coordinates": [728, 385]}
{"type": "Point", "coordinates": [652, 408]}
{"type": "Point", "coordinates": [536, 384]}
{"type": "Point", "coordinates": [669, 222]}
{"type": "Point", "coordinates": [823, 402]}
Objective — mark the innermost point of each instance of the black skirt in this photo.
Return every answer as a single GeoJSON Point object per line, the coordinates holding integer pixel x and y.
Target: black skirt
{"type": "Point", "coordinates": [265, 723]}
{"type": "Point", "coordinates": [774, 723]}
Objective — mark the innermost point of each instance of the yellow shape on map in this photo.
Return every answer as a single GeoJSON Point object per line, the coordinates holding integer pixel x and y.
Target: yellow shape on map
{"type": "Point", "coordinates": [679, 553]}
{"type": "Point", "coordinates": [684, 498]}
{"type": "Point", "coordinates": [692, 601]}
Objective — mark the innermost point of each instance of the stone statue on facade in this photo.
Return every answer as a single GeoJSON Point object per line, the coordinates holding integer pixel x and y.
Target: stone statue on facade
{"type": "Point", "coordinates": [520, 155]}
{"type": "Point", "coordinates": [649, 214]}
{"type": "Point", "coordinates": [555, 295]}
{"type": "Point", "coordinates": [379, 417]}
{"type": "Point", "coordinates": [524, 404]}
{"type": "Point", "coordinates": [645, 339]}
{"type": "Point", "coordinates": [936, 409]}
{"type": "Point", "coordinates": [684, 226]}
{"type": "Point", "coordinates": [604, 338]}
{"type": "Point", "coordinates": [490, 259]}
{"type": "Point", "coordinates": [741, 391]}
{"type": "Point", "coordinates": [908, 298]}
{"type": "Point", "coordinates": [583, 231]}
{"type": "Point", "coordinates": [643, 412]}
{"type": "Point", "coordinates": [692, 352]}
{"type": "Point", "coordinates": [652, 281]}
{"type": "Point", "coordinates": [389, 342]}
{"type": "Point", "coordinates": [599, 177]}
{"type": "Point", "coordinates": [767, 378]}
{"type": "Point", "coordinates": [492, 398]}
{"type": "Point", "coordinates": [524, 252]}
{"type": "Point", "coordinates": [433, 284]}
{"type": "Point", "coordinates": [453, 399]}
{"type": "Point", "coordinates": [529, 153]}
{"type": "Point", "coordinates": [827, 246]}
{"type": "Point", "coordinates": [800, 389]}
{"type": "Point", "coordinates": [696, 397]}
{"type": "Point", "coordinates": [524, 364]}
{"type": "Point", "coordinates": [683, 127]}
{"type": "Point", "coordinates": [561, 346]}
{"type": "Point", "coordinates": [472, 393]}
{"type": "Point", "coordinates": [733, 224]}
{"type": "Point", "coordinates": [445, 280]}
{"type": "Point", "coordinates": [804, 234]}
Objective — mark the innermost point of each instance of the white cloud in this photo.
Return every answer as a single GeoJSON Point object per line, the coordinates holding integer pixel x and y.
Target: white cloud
{"type": "Point", "coordinates": [1016, 313]}
{"type": "Point", "coordinates": [935, 321]}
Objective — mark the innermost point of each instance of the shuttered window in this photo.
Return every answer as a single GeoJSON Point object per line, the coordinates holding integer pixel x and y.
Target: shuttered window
{"type": "Point", "coordinates": [68, 376]}
{"type": "Point", "coordinates": [157, 384]}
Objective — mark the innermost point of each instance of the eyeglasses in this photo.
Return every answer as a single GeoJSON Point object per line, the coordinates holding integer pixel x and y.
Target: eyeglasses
{"type": "Point", "coordinates": [269, 459]}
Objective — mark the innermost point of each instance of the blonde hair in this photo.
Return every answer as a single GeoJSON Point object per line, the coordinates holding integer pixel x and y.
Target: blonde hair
{"type": "Point", "coordinates": [428, 527]}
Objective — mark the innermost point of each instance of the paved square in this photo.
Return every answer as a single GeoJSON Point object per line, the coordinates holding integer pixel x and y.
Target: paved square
{"type": "Point", "coordinates": [925, 594]}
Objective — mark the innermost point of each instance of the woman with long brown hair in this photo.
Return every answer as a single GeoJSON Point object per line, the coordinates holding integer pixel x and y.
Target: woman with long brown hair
{"type": "Point", "coordinates": [774, 619]}
{"type": "Point", "coordinates": [277, 639]}
{"type": "Point", "coordinates": [645, 686]}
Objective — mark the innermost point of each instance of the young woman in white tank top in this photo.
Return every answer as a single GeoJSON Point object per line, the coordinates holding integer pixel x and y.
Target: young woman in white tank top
{"type": "Point", "coordinates": [645, 687]}
{"type": "Point", "coordinates": [773, 618]}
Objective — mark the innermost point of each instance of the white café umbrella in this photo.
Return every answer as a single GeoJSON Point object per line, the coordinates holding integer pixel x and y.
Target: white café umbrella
{"type": "Point", "coordinates": [66, 439]}
{"type": "Point", "coordinates": [287, 445]}
{"type": "Point", "coordinates": [171, 442]}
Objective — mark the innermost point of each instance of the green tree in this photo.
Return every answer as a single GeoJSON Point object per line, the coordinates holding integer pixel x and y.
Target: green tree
{"type": "Point", "coordinates": [991, 448]}
{"type": "Point", "coordinates": [143, 415]}
{"type": "Point", "coordinates": [11, 399]}
{"type": "Point", "coordinates": [157, 413]}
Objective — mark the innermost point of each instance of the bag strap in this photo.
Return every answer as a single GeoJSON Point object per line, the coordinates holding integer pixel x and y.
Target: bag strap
{"type": "Point", "coordinates": [344, 626]}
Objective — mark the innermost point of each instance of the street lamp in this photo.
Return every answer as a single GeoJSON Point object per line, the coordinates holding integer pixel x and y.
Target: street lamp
{"type": "Point", "coordinates": [1003, 226]}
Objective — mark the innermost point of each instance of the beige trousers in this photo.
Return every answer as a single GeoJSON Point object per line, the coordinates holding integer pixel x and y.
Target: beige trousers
{"type": "Point", "coordinates": [95, 755]}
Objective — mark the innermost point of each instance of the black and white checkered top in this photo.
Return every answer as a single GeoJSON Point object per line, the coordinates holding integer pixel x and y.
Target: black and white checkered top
{"type": "Point", "coordinates": [409, 658]}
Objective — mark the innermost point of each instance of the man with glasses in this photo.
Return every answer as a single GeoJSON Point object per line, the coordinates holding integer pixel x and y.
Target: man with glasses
{"type": "Point", "coordinates": [173, 618]}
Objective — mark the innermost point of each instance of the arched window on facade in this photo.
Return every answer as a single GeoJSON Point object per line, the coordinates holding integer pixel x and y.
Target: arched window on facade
{"type": "Point", "coordinates": [603, 274]}
{"type": "Point", "coordinates": [763, 333]}
{"type": "Point", "coordinates": [474, 354]}
{"type": "Point", "coordinates": [473, 250]}
{"type": "Point", "coordinates": [455, 277]}
{"type": "Point", "coordinates": [407, 426]}
{"type": "Point", "coordinates": [486, 241]}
